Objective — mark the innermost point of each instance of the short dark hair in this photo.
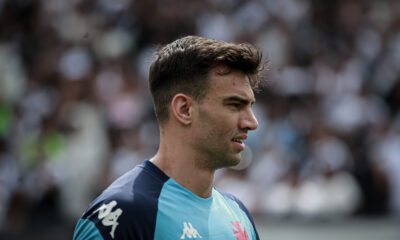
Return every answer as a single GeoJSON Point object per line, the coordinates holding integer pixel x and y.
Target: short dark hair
{"type": "Point", "coordinates": [183, 67]}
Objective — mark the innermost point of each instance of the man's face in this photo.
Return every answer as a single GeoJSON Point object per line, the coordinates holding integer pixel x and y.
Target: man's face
{"type": "Point", "coordinates": [223, 119]}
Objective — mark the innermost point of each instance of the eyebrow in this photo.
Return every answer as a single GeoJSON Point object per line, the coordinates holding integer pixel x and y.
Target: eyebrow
{"type": "Point", "coordinates": [239, 99]}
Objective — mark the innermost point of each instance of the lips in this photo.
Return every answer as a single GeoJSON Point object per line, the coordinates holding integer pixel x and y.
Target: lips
{"type": "Point", "coordinates": [240, 138]}
{"type": "Point", "coordinates": [238, 141]}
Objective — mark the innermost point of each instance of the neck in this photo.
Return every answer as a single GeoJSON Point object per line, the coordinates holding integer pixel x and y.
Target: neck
{"type": "Point", "coordinates": [179, 163]}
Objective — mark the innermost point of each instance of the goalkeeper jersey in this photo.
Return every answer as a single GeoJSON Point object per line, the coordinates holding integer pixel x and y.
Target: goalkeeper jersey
{"type": "Point", "coordinates": [146, 204]}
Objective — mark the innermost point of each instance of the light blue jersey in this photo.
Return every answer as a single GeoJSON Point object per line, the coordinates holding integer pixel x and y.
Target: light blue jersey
{"type": "Point", "coordinates": [147, 204]}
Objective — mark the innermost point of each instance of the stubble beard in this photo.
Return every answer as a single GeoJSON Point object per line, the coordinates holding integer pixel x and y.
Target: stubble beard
{"type": "Point", "coordinates": [216, 156]}
{"type": "Point", "coordinates": [215, 148]}
{"type": "Point", "coordinates": [214, 161]}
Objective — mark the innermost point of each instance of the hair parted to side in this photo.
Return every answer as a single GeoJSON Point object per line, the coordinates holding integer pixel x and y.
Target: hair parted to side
{"type": "Point", "coordinates": [183, 66]}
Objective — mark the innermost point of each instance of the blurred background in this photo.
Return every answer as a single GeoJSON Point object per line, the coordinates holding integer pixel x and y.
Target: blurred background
{"type": "Point", "coordinates": [75, 110]}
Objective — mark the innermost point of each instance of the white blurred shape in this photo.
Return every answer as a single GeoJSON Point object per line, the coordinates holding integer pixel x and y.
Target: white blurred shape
{"type": "Point", "coordinates": [75, 63]}
{"type": "Point", "coordinates": [12, 74]}
{"type": "Point", "coordinates": [114, 43]}
{"type": "Point", "coordinates": [80, 166]}
{"type": "Point", "coordinates": [291, 11]}
{"type": "Point", "coordinates": [294, 80]}
{"type": "Point", "coordinates": [215, 26]}
{"type": "Point", "coordinates": [345, 113]}
{"type": "Point", "coordinates": [268, 169]}
{"type": "Point", "coordinates": [250, 17]}
{"type": "Point", "coordinates": [274, 43]}
{"type": "Point", "coordinates": [279, 200]}
{"type": "Point", "coordinates": [331, 153]}
{"type": "Point", "coordinates": [337, 196]}
{"type": "Point", "coordinates": [349, 78]}
{"type": "Point", "coordinates": [72, 27]}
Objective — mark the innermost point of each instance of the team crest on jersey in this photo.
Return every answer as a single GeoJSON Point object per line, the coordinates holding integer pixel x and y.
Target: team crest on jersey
{"type": "Point", "coordinates": [189, 231]}
{"type": "Point", "coordinates": [240, 233]}
{"type": "Point", "coordinates": [108, 216]}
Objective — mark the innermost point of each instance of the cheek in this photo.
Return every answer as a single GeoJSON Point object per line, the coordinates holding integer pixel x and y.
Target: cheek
{"type": "Point", "coordinates": [220, 124]}
{"type": "Point", "coordinates": [224, 128]}
{"type": "Point", "coordinates": [214, 130]}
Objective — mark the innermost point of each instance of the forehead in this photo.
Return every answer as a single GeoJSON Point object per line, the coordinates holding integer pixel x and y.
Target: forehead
{"type": "Point", "coordinates": [225, 82]}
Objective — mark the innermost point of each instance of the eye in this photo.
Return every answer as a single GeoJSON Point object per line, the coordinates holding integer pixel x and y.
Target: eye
{"type": "Point", "coordinates": [235, 105]}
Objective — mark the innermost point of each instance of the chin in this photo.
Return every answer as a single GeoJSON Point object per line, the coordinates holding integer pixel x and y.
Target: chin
{"type": "Point", "coordinates": [217, 161]}
{"type": "Point", "coordinates": [234, 161]}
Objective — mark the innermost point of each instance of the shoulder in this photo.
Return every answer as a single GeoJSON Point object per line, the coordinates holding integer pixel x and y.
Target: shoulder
{"type": "Point", "coordinates": [114, 215]}
{"type": "Point", "coordinates": [107, 218]}
{"type": "Point", "coordinates": [127, 209]}
{"type": "Point", "coordinates": [233, 199]}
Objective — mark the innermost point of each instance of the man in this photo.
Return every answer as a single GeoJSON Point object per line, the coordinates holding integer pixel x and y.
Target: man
{"type": "Point", "coordinates": [203, 93]}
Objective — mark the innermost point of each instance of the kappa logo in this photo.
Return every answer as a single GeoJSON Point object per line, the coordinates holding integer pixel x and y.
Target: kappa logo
{"type": "Point", "coordinates": [189, 231]}
{"type": "Point", "coordinates": [109, 217]}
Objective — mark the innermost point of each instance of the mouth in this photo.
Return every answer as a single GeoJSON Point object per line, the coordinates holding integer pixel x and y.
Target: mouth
{"type": "Point", "coordinates": [238, 142]}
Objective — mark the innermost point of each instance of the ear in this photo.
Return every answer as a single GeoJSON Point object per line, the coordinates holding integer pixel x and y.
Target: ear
{"type": "Point", "coordinates": [181, 107]}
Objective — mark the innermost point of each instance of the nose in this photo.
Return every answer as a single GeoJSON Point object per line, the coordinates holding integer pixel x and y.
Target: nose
{"type": "Point", "coordinates": [249, 121]}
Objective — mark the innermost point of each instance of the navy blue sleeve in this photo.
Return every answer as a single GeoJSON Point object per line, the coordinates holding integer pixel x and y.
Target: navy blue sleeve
{"type": "Point", "coordinates": [126, 210]}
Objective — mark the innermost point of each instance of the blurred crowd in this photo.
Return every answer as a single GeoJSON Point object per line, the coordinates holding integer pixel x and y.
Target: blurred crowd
{"type": "Point", "coordinates": [75, 110]}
